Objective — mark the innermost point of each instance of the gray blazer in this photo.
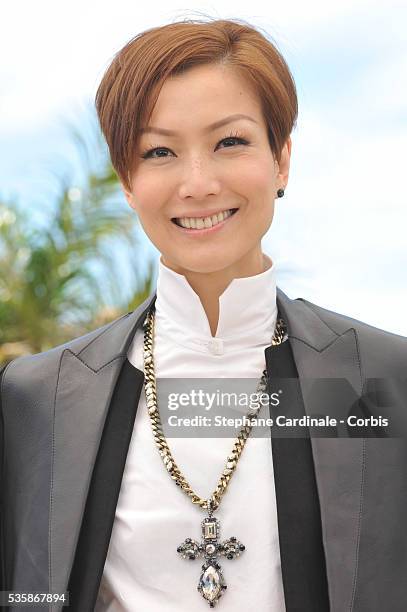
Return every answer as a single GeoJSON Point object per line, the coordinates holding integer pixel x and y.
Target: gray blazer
{"type": "Point", "coordinates": [54, 405]}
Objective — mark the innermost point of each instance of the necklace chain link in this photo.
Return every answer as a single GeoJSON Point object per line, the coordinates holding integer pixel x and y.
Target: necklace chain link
{"type": "Point", "coordinates": [212, 503]}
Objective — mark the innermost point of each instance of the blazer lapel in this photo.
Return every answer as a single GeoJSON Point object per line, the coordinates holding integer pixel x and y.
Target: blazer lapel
{"type": "Point", "coordinates": [302, 553]}
{"type": "Point", "coordinates": [85, 386]}
{"type": "Point", "coordinates": [320, 353]}
{"type": "Point", "coordinates": [104, 490]}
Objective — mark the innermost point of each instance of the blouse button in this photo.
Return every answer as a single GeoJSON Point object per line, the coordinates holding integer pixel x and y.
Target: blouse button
{"type": "Point", "coordinates": [215, 346]}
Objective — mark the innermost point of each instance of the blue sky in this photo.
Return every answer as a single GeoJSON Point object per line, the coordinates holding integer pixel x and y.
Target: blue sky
{"type": "Point", "coordinates": [339, 234]}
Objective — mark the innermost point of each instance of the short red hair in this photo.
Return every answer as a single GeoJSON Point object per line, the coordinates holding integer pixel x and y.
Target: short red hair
{"type": "Point", "coordinates": [131, 84]}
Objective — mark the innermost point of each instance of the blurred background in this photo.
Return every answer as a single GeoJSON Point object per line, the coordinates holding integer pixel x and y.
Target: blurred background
{"type": "Point", "coordinates": [73, 256]}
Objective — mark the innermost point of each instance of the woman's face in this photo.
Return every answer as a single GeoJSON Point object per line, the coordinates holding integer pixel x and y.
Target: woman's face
{"type": "Point", "coordinates": [194, 169]}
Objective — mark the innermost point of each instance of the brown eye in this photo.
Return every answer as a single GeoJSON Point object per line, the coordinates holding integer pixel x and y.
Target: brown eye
{"type": "Point", "coordinates": [234, 138]}
{"type": "Point", "coordinates": [149, 153]}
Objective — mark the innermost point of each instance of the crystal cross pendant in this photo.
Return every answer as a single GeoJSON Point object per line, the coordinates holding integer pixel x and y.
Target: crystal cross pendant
{"type": "Point", "coordinates": [211, 582]}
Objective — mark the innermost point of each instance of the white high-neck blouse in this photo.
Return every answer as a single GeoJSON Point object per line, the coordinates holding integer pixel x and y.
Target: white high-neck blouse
{"type": "Point", "coordinates": [143, 572]}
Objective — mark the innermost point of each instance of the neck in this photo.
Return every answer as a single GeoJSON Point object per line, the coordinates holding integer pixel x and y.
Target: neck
{"type": "Point", "coordinates": [209, 286]}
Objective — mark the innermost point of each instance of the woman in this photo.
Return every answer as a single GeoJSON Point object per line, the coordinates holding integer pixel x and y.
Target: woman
{"type": "Point", "coordinates": [198, 117]}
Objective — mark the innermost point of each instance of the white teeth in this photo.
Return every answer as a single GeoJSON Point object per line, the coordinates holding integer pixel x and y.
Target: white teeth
{"type": "Point", "coordinates": [204, 222]}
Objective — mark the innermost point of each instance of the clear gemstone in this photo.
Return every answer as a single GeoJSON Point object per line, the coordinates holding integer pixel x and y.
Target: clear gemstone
{"type": "Point", "coordinates": [210, 583]}
{"type": "Point", "coordinates": [210, 530]}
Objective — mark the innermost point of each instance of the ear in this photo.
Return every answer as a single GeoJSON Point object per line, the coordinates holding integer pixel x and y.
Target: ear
{"type": "Point", "coordinates": [129, 196]}
{"type": "Point", "coordinates": [284, 165]}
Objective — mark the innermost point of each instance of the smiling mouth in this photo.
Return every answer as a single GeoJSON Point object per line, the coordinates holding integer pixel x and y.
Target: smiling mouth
{"type": "Point", "coordinates": [176, 221]}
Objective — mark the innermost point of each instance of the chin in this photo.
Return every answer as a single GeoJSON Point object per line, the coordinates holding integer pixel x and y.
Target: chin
{"type": "Point", "coordinates": [197, 262]}
{"type": "Point", "coordinates": [209, 265]}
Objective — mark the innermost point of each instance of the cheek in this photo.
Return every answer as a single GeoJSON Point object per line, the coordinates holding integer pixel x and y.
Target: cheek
{"type": "Point", "coordinates": [147, 196]}
{"type": "Point", "coordinates": [256, 183]}
{"type": "Point", "coordinates": [255, 179]}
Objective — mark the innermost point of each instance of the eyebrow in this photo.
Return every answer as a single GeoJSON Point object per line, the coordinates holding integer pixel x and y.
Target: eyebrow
{"type": "Point", "coordinates": [209, 128]}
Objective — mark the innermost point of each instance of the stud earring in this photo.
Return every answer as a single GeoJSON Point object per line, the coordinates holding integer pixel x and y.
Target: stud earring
{"type": "Point", "coordinates": [280, 193]}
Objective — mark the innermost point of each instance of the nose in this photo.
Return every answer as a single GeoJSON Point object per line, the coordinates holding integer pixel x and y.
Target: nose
{"type": "Point", "coordinates": [198, 181]}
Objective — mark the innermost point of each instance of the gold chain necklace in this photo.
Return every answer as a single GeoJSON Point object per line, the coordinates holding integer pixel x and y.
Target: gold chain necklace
{"type": "Point", "coordinates": [211, 583]}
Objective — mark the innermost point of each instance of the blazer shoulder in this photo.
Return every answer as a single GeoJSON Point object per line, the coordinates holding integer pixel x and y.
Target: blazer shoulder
{"type": "Point", "coordinates": [339, 321]}
{"type": "Point", "coordinates": [47, 362]}
{"type": "Point", "coordinates": [375, 344]}
{"type": "Point", "coordinates": [32, 370]}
